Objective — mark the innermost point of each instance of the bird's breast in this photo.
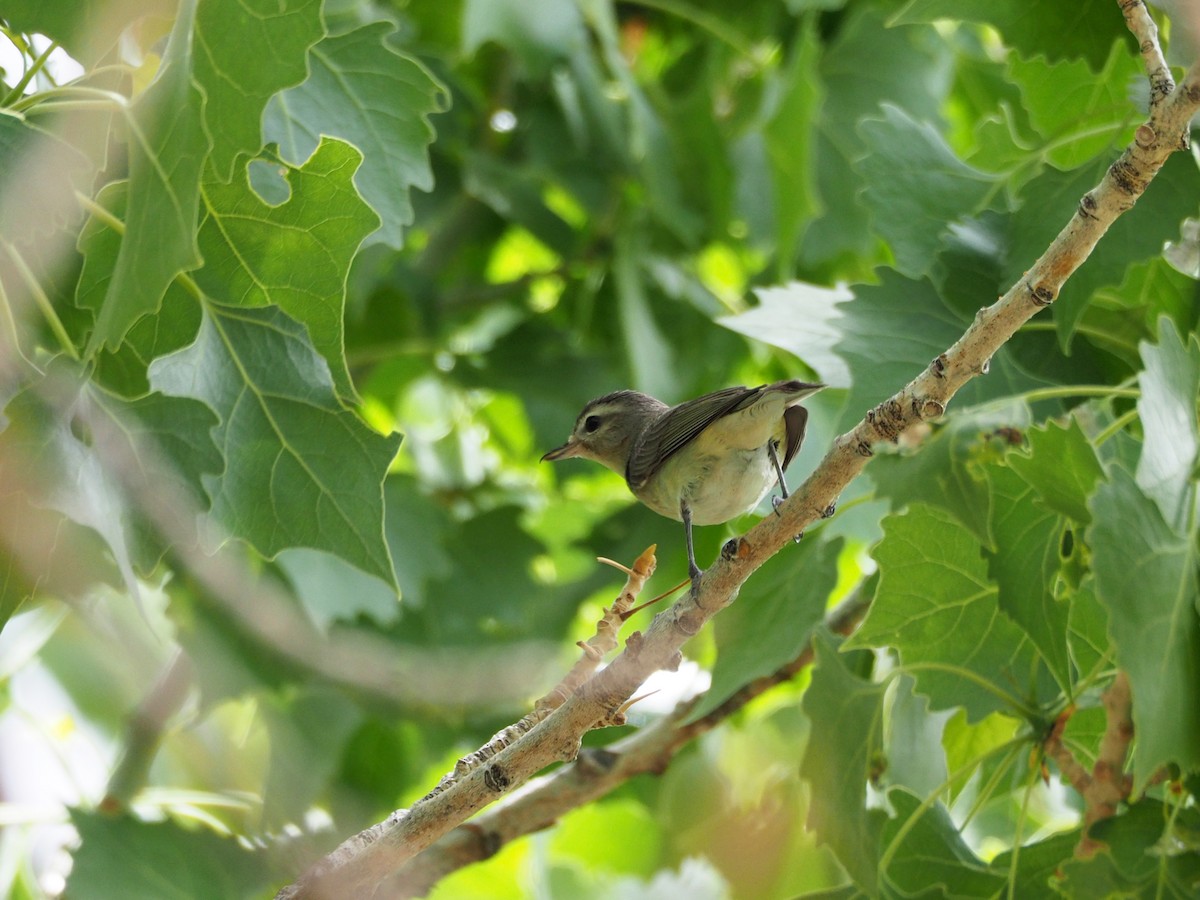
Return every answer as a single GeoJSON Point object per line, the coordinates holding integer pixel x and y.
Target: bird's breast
{"type": "Point", "coordinates": [718, 484]}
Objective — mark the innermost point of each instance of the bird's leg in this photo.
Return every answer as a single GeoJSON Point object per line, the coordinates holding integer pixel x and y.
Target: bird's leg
{"type": "Point", "coordinates": [694, 571]}
{"type": "Point", "coordinates": [776, 502]}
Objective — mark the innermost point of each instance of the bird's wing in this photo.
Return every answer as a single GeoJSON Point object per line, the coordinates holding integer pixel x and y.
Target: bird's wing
{"type": "Point", "coordinates": [795, 418]}
{"type": "Point", "coordinates": [679, 425]}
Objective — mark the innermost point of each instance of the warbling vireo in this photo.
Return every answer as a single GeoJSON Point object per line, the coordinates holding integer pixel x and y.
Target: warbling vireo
{"type": "Point", "coordinates": [703, 462]}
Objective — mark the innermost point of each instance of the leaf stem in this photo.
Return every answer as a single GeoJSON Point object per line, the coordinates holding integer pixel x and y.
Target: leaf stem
{"type": "Point", "coordinates": [30, 73]}
{"type": "Point", "coordinates": [1116, 427]}
{"type": "Point", "coordinates": [43, 301]}
{"type": "Point", "coordinates": [1016, 845]}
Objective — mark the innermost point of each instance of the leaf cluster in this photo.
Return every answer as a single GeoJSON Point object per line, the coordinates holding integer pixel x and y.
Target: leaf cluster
{"type": "Point", "coordinates": [293, 295]}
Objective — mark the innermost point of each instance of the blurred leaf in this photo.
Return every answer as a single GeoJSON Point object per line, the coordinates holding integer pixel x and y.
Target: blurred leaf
{"type": "Point", "coordinates": [228, 36]}
{"type": "Point", "coordinates": [865, 66]}
{"type": "Point", "coordinates": [934, 583]}
{"type": "Point", "coordinates": [1146, 579]}
{"type": "Point", "coordinates": [160, 218]}
{"type": "Point", "coordinates": [28, 154]}
{"type": "Point", "coordinates": [847, 712]}
{"type": "Point", "coordinates": [300, 471]}
{"type": "Point", "coordinates": [915, 186]}
{"type": "Point", "coordinates": [87, 28]}
{"type": "Point", "coordinates": [121, 857]}
{"type": "Point", "coordinates": [295, 255]}
{"type": "Point", "coordinates": [1082, 30]}
{"type": "Point", "coordinates": [772, 621]}
{"type": "Point", "coordinates": [378, 100]}
{"type": "Point", "coordinates": [538, 37]}
{"type": "Point", "coordinates": [417, 532]}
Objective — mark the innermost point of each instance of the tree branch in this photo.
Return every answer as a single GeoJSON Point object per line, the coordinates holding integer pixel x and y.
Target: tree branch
{"type": "Point", "coordinates": [595, 773]}
{"type": "Point", "coordinates": [395, 842]}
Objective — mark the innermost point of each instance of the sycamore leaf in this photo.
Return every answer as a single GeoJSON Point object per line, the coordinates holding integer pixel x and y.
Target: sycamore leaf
{"type": "Point", "coordinates": [538, 35]}
{"type": "Point", "coordinates": [843, 753]}
{"type": "Point", "coordinates": [1061, 466]}
{"type": "Point", "coordinates": [295, 255]}
{"type": "Point", "coordinates": [1167, 408]}
{"type": "Point", "coordinates": [229, 35]}
{"type": "Point", "coordinates": [377, 99]}
{"type": "Point", "coordinates": [301, 471]}
{"type": "Point", "coordinates": [1024, 566]}
{"type": "Point", "coordinates": [167, 147]}
{"type": "Point", "coordinates": [915, 186]}
{"type": "Point", "coordinates": [932, 854]}
{"type": "Point", "coordinates": [936, 605]}
{"type": "Point", "coordinates": [1146, 579]}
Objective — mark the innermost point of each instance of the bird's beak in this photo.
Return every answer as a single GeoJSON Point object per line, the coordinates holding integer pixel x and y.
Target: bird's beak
{"type": "Point", "coordinates": [566, 451]}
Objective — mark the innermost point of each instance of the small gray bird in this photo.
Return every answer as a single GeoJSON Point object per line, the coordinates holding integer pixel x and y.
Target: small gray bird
{"type": "Point", "coordinates": [703, 462]}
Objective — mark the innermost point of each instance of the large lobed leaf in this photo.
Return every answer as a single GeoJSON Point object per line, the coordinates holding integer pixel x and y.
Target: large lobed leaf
{"type": "Point", "coordinates": [374, 97]}
{"type": "Point", "coordinates": [301, 471]}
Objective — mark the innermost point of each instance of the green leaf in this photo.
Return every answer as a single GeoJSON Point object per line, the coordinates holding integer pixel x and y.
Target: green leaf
{"type": "Point", "coordinates": [1039, 865]}
{"type": "Point", "coordinates": [168, 329]}
{"type": "Point", "coordinates": [332, 590]}
{"type": "Point", "coordinates": [375, 98]}
{"type": "Point", "coordinates": [940, 474]}
{"type": "Point", "coordinates": [167, 147]}
{"type": "Point", "coordinates": [915, 187]}
{"type": "Point", "coordinates": [1167, 409]}
{"type": "Point", "coordinates": [935, 605]}
{"type": "Point", "coordinates": [846, 712]}
{"type": "Point", "coordinates": [932, 853]}
{"type": "Point", "coordinates": [1078, 112]}
{"type": "Point", "coordinates": [120, 857]}
{"type": "Point", "coordinates": [1076, 30]}
{"type": "Point", "coordinates": [1087, 629]}
{"type": "Point", "coordinates": [1144, 858]}
{"type": "Point", "coordinates": [231, 37]}
{"type": "Point", "coordinates": [1146, 579]}
{"type": "Point", "coordinates": [1025, 566]}
{"type": "Point", "coordinates": [915, 760]}
{"type": "Point", "coordinates": [1061, 465]}
{"type": "Point", "coordinates": [295, 255]}
{"type": "Point", "coordinates": [772, 621]}
{"type": "Point", "coordinates": [418, 531]}
{"type": "Point", "coordinates": [301, 471]}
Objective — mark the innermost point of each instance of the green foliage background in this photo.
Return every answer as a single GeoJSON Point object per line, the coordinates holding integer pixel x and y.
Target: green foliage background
{"type": "Point", "coordinates": [256, 244]}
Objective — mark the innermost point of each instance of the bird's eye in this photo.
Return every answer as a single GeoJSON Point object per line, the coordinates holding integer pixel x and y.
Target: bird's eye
{"type": "Point", "coordinates": [591, 423]}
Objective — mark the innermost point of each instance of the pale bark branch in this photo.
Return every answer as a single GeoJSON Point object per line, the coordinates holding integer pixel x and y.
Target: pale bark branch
{"type": "Point", "coordinates": [595, 773]}
{"type": "Point", "coordinates": [387, 847]}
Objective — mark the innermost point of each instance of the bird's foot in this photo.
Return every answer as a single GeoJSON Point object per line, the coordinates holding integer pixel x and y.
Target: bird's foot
{"type": "Point", "coordinates": [777, 502]}
{"type": "Point", "coordinates": [695, 573]}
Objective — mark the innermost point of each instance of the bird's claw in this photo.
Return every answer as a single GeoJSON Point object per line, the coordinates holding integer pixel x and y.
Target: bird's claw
{"type": "Point", "coordinates": [777, 502]}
